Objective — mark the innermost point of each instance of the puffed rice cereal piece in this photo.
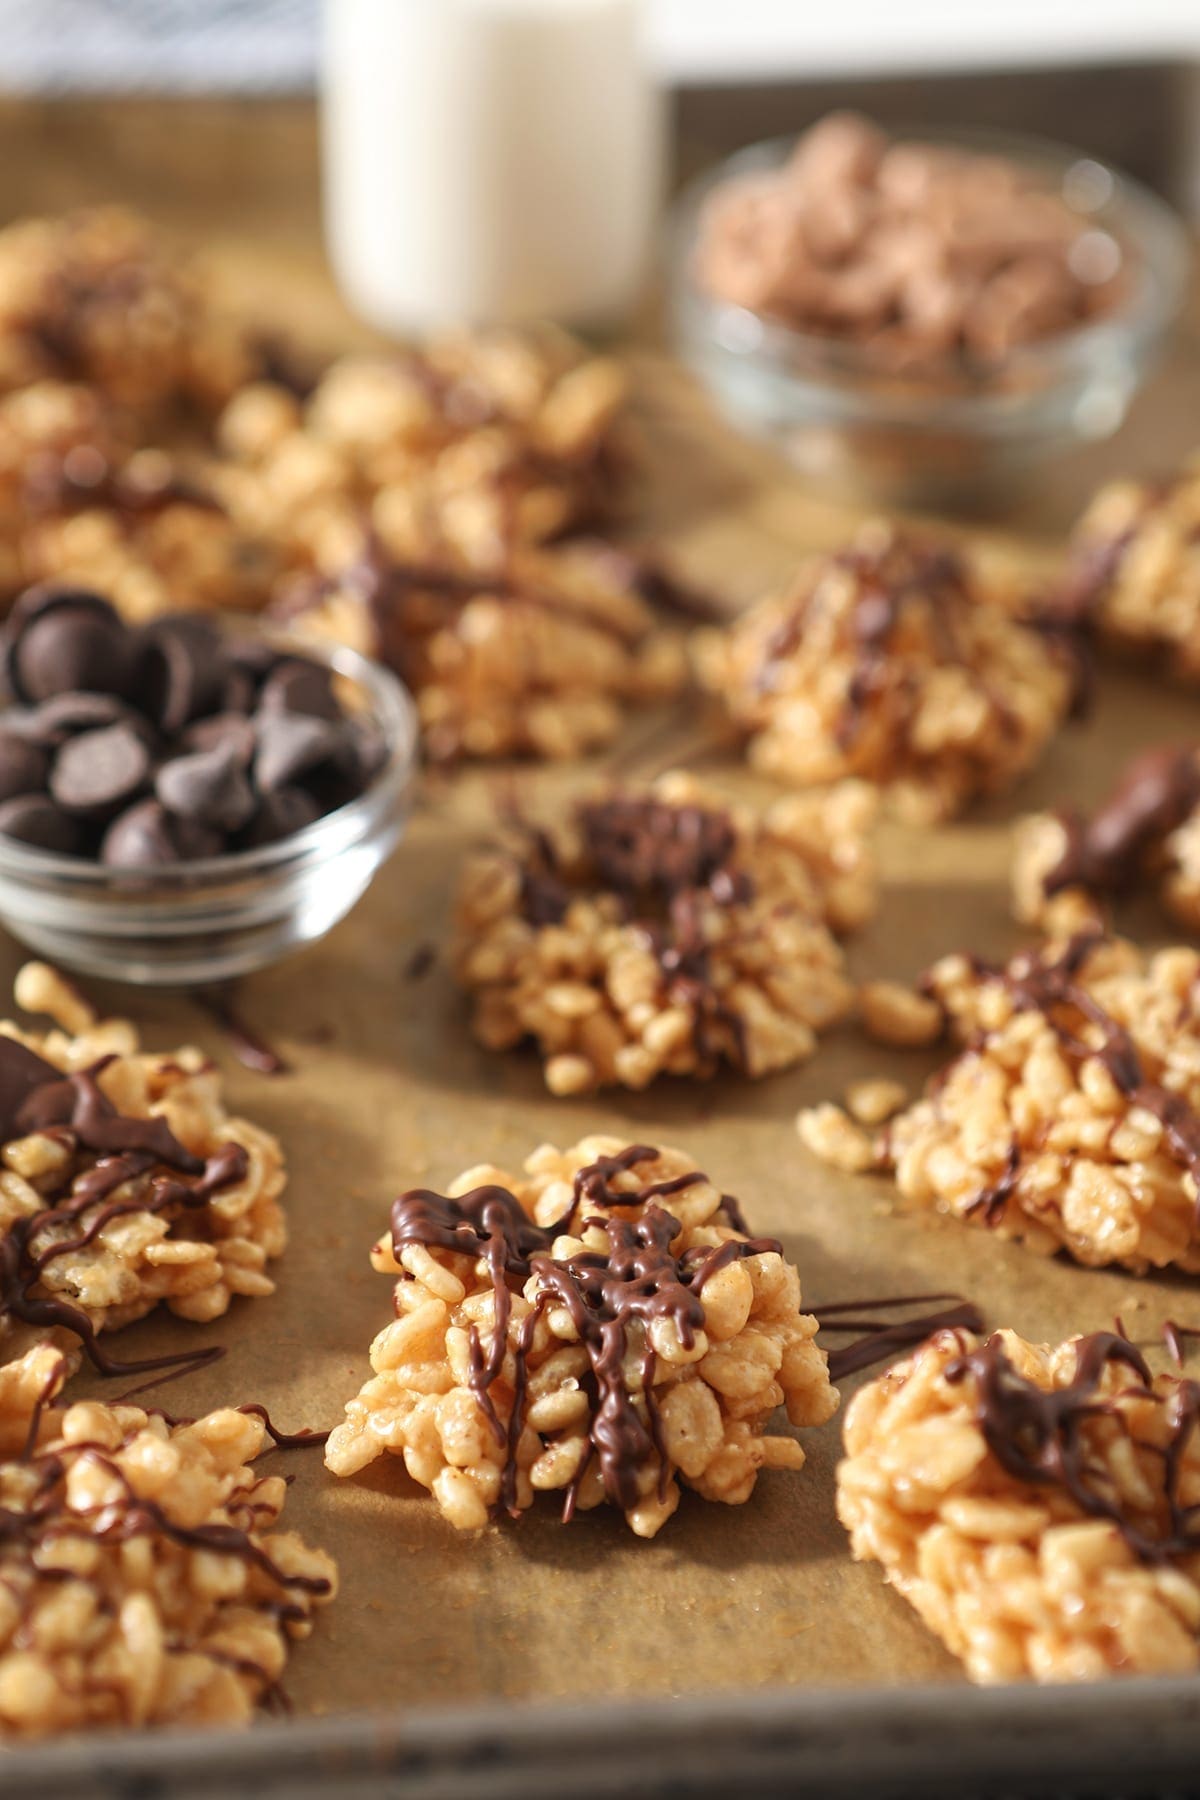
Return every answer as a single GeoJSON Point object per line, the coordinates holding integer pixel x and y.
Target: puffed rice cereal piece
{"type": "Point", "coordinates": [1071, 1118]}
{"type": "Point", "coordinates": [602, 1328]}
{"type": "Point", "coordinates": [123, 1181]}
{"type": "Point", "coordinates": [662, 932]}
{"type": "Point", "coordinates": [890, 662]}
{"type": "Point", "coordinates": [141, 1580]}
{"type": "Point", "coordinates": [1036, 1506]}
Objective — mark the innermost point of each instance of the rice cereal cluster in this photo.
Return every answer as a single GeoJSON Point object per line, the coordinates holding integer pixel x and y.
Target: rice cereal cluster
{"type": "Point", "coordinates": [601, 1329]}
{"type": "Point", "coordinates": [1069, 1119]}
{"type": "Point", "coordinates": [97, 297]}
{"type": "Point", "coordinates": [141, 1579]}
{"type": "Point", "coordinates": [664, 932]}
{"type": "Point", "coordinates": [1068, 866]}
{"type": "Point", "coordinates": [1133, 572]}
{"type": "Point", "coordinates": [891, 661]}
{"type": "Point", "coordinates": [1036, 1506]}
{"type": "Point", "coordinates": [458, 453]}
{"type": "Point", "coordinates": [541, 657]}
{"type": "Point", "coordinates": [123, 1181]}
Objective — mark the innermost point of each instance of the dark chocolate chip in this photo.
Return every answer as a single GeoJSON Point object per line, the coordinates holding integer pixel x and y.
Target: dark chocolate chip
{"type": "Point", "coordinates": [99, 771]}
{"type": "Point", "coordinates": [146, 836]}
{"type": "Point", "coordinates": [35, 820]}
{"type": "Point", "coordinates": [288, 809]}
{"type": "Point", "coordinates": [294, 745]}
{"type": "Point", "coordinates": [70, 643]}
{"type": "Point", "coordinates": [23, 766]}
{"type": "Point", "coordinates": [301, 687]}
{"type": "Point", "coordinates": [182, 671]}
{"type": "Point", "coordinates": [57, 719]}
{"type": "Point", "coordinates": [222, 728]}
{"type": "Point", "coordinates": [209, 786]}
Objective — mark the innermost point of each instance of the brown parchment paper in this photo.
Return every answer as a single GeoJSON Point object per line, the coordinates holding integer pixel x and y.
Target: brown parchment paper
{"type": "Point", "coordinates": [387, 1091]}
{"type": "Point", "coordinates": [387, 1088]}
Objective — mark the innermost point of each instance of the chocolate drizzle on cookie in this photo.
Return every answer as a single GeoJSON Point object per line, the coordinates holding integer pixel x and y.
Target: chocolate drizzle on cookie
{"type": "Point", "coordinates": [1039, 1436]}
{"type": "Point", "coordinates": [1105, 853]}
{"type": "Point", "coordinates": [884, 1339]}
{"type": "Point", "coordinates": [142, 1155]}
{"type": "Point", "coordinates": [665, 864]}
{"type": "Point", "coordinates": [611, 1295]}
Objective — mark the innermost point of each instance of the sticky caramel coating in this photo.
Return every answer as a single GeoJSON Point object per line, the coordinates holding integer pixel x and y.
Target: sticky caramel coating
{"type": "Point", "coordinates": [96, 297]}
{"type": "Point", "coordinates": [754, 1353]}
{"type": "Point", "coordinates": [1015, 1578]}
{"type": "Point", "coordinates": [193, 1262]}
{"type": "Point", "coordinates": [106, 1617]}
{"type": "Point", "coordinates": [606, 1005]}
{"type": "Point", "coordinates": [1133, 568]}
{"type": "Point", "coordinates": [889, 662]}
{"type": "Point", "coordinates": [1035, 1131]}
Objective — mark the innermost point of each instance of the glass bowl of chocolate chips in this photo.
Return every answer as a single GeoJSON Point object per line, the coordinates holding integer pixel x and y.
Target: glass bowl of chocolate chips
{"type": "Point", "coordinates": [188, 800]}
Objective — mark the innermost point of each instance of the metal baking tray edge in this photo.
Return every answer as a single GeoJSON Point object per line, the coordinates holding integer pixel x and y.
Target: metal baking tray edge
{"type": "Point", "coordinates": [1129, 1737]}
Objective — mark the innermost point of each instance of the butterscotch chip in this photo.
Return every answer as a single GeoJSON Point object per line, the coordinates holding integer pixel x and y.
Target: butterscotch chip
{"type": "Point", "coordinates": [142, 1581]}
{"type": "Point", "coordinates": [889, 662]}
{"type": "Point", "coordinates": [601, 1328]}
{"type": "Point", "coordinates": [663, 932]}
{"type": "Point", "coordinates": [123, 1181]}
{"type": "Point", "coordinates": [1133, 570]}
{"type": "Point", "coordinates": [1036, 1506]}
{"type": "Point", "coordinates": [1069, 1120]}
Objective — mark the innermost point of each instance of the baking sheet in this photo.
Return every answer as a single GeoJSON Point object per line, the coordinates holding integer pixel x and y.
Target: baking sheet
{"type": "Point", "coordinates": [387, 1090]}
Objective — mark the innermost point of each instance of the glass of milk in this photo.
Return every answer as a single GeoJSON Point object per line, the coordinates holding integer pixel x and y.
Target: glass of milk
{"type": "Point", "coordinates": [488, 161]}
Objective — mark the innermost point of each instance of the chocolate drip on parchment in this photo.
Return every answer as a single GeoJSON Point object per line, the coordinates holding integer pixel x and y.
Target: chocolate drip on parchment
{"type": "Point", "coordinates": [634, 1281]}
{"type": "Point", "coordinates": [37, 1097]}
{"type": "Point", "coordinates": [1104, 854]}
{"type": "Point", "coordinates": [884, 1339]}
{"type": "Point", "coordinates": [664, 863]}
{"type": "Point", "coordinates": [1037, 1435]}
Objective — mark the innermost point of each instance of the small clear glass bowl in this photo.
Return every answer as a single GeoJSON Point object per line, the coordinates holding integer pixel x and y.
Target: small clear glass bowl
{"type": "Point", "coordinates": [223, 916]}
{"type": "Point", "coordinates": [904, 440]}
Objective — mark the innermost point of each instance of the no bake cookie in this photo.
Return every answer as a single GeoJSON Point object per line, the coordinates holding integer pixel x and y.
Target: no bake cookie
{"type": "Point", "coordinates": [663, 931]}
{"type": "Point", "coordinates": [601, 1328]}
{"type": "Point", "coordinates": [889, 661]}
{"type": "Point", "coordinates": [1036, 1506]}
{"type": "Point", "coordinates": [142, 1581]}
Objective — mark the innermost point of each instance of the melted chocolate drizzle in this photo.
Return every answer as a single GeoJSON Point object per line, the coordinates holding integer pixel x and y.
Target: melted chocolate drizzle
{"type": "Point", "coordinates": [1105, 853]}
{"type": "Point", "coordinates": [37, 1097]}
{"type": "Point", "coordinates": [883, 1339]}
{"type": "Point", "coordinates": [1037, 1434]}
{"type": "Point", "coordinates": [663, 863]}
{"type": "Point", "coordinates": [635, 1280]}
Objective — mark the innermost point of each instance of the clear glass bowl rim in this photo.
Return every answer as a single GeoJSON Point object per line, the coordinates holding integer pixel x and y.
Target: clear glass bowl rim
{"type": "Point", "coordinates": [394, 712]}
{"type": "Point", "coordinates": [1156, 295]}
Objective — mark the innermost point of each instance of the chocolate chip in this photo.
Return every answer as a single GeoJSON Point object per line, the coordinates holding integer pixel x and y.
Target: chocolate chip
{"type": "Point", "coordinates": [33, 819]}
{"type": "Point", "coordinates": [292, 745]}
{"type": "Point", "coordinates": [209, 786]}
{"type": "Point", "coordinates": [301, 687]}
{"type": "Point", "coordinates": [98, 771]}
{"type": "Point", "coordinates": [223, 728]}
{"type": "Point", "coordinates": [146, 836]}
{"type": "Point", "coordinates": [23, 766]}
{"type": "Point", "coordinates": [288, 809]}
{"type": "Point", "coordinates": [65, 641]}
{"type": "Point", "coordinates": [182, 672]}
{"type": "Point", "coordinates": [57, 719]}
